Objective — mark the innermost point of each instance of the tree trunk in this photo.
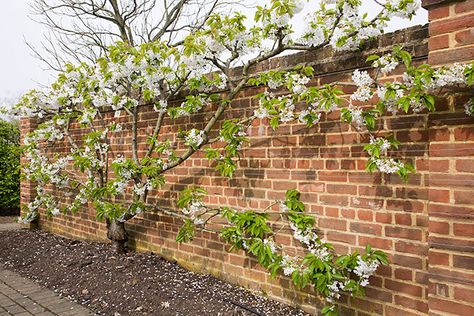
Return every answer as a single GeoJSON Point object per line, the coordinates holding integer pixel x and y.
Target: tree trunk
{"type": "Point", "coordinates": [117, 234]}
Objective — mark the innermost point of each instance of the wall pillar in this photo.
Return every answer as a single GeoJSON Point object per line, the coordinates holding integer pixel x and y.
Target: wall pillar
{"type": "Point", "coordinates": [27, 188]}
{"type": "Point", "coordinates": [451, 167]}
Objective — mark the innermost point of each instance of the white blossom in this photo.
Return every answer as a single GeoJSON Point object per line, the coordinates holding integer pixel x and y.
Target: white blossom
{"type": "Point", "coordinates": [363, 93]}
{"type": "Point", "coordinates": [261, 113]}
{"type": "Point", "coordinates": [194, 138]}
{"type": "Point", "coordinates": [388, 165]}
{"type": "Point", "coordinates": [386, 63]}
{"type": "Point", "coordinates": [469, 108]}
{"type": "Point", "coordinates": [365, 270]}
{"type": "Point", "coordinates": [362, 78]}
{"type": "Point", "coordinates": [357, 117]}
{"type": "Point", "coordinates": [453, 75]}
{"type": "Point", "coordinates": [271, 244]}
{"type": "Point", "coordinates": [161, 106]}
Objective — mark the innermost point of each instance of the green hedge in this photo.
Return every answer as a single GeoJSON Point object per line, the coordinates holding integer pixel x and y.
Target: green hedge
{"type": "Point", "coordinates": [9, 167]}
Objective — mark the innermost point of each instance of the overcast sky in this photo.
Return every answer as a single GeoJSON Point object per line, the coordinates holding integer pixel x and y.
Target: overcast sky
{"type": "Point", "coordinates": [20, 71]}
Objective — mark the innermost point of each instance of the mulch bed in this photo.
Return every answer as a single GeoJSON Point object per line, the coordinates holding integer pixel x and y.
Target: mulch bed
{"type": "Point", "coordinates": [131, 284]}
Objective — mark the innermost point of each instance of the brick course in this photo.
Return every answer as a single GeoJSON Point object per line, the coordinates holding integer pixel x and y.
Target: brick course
{"type": "Point", "coordinates": [424, 225]}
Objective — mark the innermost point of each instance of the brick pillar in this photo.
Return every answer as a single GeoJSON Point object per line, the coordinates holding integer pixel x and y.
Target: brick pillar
{"type": "Point", "coordinates": [451, 167]}
{"type": "Point", "coordinates": [27, 189]}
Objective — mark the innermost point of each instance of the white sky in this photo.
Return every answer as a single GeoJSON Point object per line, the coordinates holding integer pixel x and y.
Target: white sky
{"type": "Point", "coordinates": [20, 71]}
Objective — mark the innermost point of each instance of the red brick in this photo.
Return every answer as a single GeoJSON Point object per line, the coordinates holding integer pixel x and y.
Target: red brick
{"type": "Point", "coordinates": [375, 242]}
{"type": "Point", "coordinates": [463, 262]}
{"type": "Point", "coordinates": [405, 288]}
{"type": "Point", "coordinates": [411, 247]}
{"type": "Point", "coordinates": [408, 261]}
{"type": "Point", "coordinates": [341, 189]}
{"type": "Point", "coordinates": [336, 176]}
{"type": "Point", "coordinates": [438, 258]}
{"type": "Point", "coordinates": [453, 55]}
{"type": "Point", "coordinates": [365, 215]}
{"type": "Point", "coordinates": [437, 13]}
{"type": "Point", "coordinates": [450, 211]}
{"type": "Point", "coordinates": [403, 219]}
{"type": "Point", "coordinates": [466, 230]}
{"type": "Point", "coordinates": [403, 233]}
{"type": "Point", "coordinates": [332, 223]}
{"type": "Point", "coordinates": [463, 197]}
{"type": "Point", "coordinates": [366, 228]}
{"type": "Point", "coordinates": [342, 237]}
{"type": "Point", "coordinates": [404, 274]}
{"type": "Point", "coordinates": [378, 294]}
{"type": "Point", "coordinates": [451, 243]}
{"type": "Point", "coordinates": [383, 218]}
{"type": "Point", "coordinates": [453, 24]}
{"type": "Point", "coordinates": [456, 308]}
{"type": "Point", "coordinates": [438, 42]}
{"type": "Point", "coordinates": [418, 305]}
{"type": "Point", "coordinates": [464, 133]}
{"type": "Point", "coordinates": [441, 196]}
{"type": "Point", "coordinates": [439, 134]}
{"type": "Point", "coordinates": [464, 6]}
{"type": "Point", "coordinates": [438, 165]}
{"type": "Point", "coordinates": [451, 180]}
{"type": "Point", "coordinates": [438, 227]}
{"type": "Point", "coordinates": [310, 187]}
{"type": "Point", "coordinates": [405, 205]}
{"type": "Point", "coordinates": [465, 165]}
{"type": "Point", "coordinates": [463, 294]}
{"type": "Point", "coordinates": [395, 311]}
{"type": "Point", "coordinates": [347, 213]}
{"type": "Point", "coordinates": [451, 150]}
{"type": "Point", "coordinates": [334, 200]}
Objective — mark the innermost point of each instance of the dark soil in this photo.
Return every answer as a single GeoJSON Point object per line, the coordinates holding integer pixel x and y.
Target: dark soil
{"type": "Point", "coordinates": [10, 211]}
{"type": "Point", "coordinates": [131, 284]}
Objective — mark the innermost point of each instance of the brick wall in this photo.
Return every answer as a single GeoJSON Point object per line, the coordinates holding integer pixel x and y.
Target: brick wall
{"type": "Point", "coordinates": [425, 225]}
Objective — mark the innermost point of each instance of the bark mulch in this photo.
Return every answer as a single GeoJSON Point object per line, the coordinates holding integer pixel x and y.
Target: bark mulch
{"type": "Point", "coordinates": [130, 284]}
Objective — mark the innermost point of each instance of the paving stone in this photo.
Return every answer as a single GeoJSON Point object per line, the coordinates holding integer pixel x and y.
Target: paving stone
{"type": "Point", "coordinates": [43, 295]}
{"type": "Point", "coordinates": [34, 308]}
{"type": "Point", "coordinates": [15, 309]}
{"type": "Point", "coordinates": [6, 302]}
{"type": "Point", "coordinates": [21, 297]}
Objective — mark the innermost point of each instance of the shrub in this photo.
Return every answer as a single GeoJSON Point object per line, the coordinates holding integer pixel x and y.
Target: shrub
{"type": "Point", "coordinates": [9, 167]}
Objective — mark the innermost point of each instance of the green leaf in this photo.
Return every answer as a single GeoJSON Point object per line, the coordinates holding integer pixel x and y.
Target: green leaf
{"type": "Point", "coordinates": [372, 58]}
{"type": "Point", "coordinates": [186, 232]}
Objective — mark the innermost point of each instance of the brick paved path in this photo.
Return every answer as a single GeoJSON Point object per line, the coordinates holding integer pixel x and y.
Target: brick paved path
{"type": "Point", "coordinates": [22, 297]}
{"type": "Point", "coordinates": [8, 223]}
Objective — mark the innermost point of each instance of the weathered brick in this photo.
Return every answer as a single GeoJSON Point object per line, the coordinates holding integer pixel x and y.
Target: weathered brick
{"type": "Point", "coordinates": [402, 287]}
{"type": "Point", "coordinates": [453, 24]}
{"type": "Point", "coordinates": [402, 232]}
{"type": "Point", "coordinates": [458, 308]}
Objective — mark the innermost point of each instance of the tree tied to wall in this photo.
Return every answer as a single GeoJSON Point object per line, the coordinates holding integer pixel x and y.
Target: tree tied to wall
{"type": "Point", "coordinates": [211, 67]}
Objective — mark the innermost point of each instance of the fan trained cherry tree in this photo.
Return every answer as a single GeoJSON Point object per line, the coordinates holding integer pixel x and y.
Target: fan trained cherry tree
{"type": "Point", "coordinates": [210, 67]}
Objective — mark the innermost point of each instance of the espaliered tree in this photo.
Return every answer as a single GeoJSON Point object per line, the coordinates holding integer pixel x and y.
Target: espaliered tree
{"type": "Point", "coordinates": [210, 67]}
